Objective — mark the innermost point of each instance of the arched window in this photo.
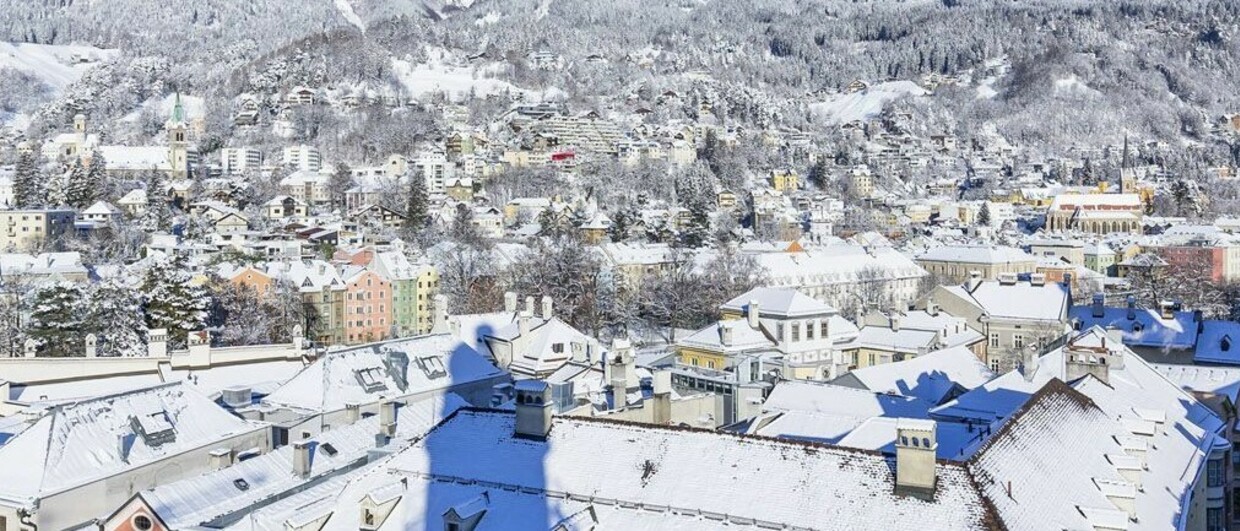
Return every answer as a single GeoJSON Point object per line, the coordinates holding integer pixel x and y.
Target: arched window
{"type": "Point", "coordinates": [925, 441]}
{"type": "Point", "coordinates": [915, 442]}
{"type": "Point", "coordinates": [904, 440]}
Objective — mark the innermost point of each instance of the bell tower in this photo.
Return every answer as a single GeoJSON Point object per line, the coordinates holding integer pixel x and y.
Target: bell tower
{"type": "Point", "coordinates": [1127, 176]}
{"type": "Point", "coordinates": [178, 141]}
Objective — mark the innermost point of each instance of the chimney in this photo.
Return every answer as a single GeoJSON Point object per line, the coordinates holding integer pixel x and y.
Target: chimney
{"type": "Point", "coordinates": [387, 418]}
{"type": "Point", "coordinates": [975, 280]}
{"type": "Point", "coordinates": [353, 411]}
{"type": "Point", "coordinates": [1037, 279]}
{"type": "Point", "coordinates": [533, 410]}
{"type": "Point", "coordinates": [1132, 307]}
{"type": "Point", "coordinates": [157, 342]}
{"type": "Point", "coordinates": [1166, 310]}
{"type": "Point", "coordinates": [529, 304]}
{"type": "Point", "coordinates": [124, 442]}
{"type": "Point", "coordinates": [1098, 306]}
{"type": "Point", "coordinates": [661, 402]}
{"type": "Point", "coordinates": [510, 302]}
{"type": "Point", "coordinates": [220, 458]}
{"type": "Point", "coordinates": [91, 342]}
{"type": "Point", "coordinates": [754, 314]}
{"type": "Point", "coordinates": [439, 309]}
{"type": "Point", "coordinates": [1007, 279]}
{"type": "Point", "coordinates": [932, 308]}
{"type": "Point", "coordinates": [546, 307]}
{"type": "Point", "coordinates": [916, 448]}
{"type": "Point", "coordinates": [523, 323]}
{"type": "Point", "coordinates": [301, 458]}
{"type": "Point", "coordinates": [895, 321]}
{"type": "Point", "coordinates": [725, 333]}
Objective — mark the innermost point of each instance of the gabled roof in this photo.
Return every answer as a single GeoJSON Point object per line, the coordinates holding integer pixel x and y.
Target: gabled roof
{"type": "Point", "coordinates": [977, 254]}
{"type": "Point", "coordinates": [76, 443]}
{"type": "Point", "coordinates": [539, 356]}
{"type": "Point", "coordinates": [782, 302]}
{"type": "Point", "coordinates": [930, 377]}
{"type": "Point", "coordinates": [1020, 300]}
{"type": "Point", "coordinates": [1141, 327]}
{"type": "Point", "coordinates": [369, 373]}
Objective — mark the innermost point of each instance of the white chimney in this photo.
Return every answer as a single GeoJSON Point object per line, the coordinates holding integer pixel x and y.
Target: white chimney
{"type": "Point", "coordinates": [91, 349]}
{"type": "Point", "coordinates": [662, 399]}
{"type": "Point", "coordinates": [725, 333]}
{"type": "Point", "coordinates": [755, 314]}
{"type": "Point", "coordinates": [546, 307]}
{"type": "Point", "coordinates": [529, 304]}
{"type": "Point", "coordinates": [353, 411]}
{"type": "Point", "coordinates": [916, 449]}
{"type": "Point", "coordinates": [439, 309]}
{"type": "Point", "coordinates": [932, 308]}
{"type": "Point", "coordinates": [220, 458]}
{"type": "Point", "coordinates": [523, 323]}
{"type": "Point", "coordinates": [387, 418]}
{"type": "Point", "coordinates": [533, 409]}
{"type": "Point", "coordinates": [510, 302]}
{"type": "Point", "coordinates": [895, 321]}
{"type": "Point", "coordinates": [301, 458]}
{"type": "Point", "coordinates": [157, 342]}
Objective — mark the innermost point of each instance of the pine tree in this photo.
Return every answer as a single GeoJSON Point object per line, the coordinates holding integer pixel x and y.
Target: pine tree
{"type": "Point", "coordinates": [983, 217]}
{"type": "Point", "coordinates": [56, 319]}
{"type": "Point", "coordinates": [57, 187]}
{"type": "Point", "coordinates": [158, 215]}
{"type": "Point", "coordinates": [171, 302]}
{"type": "Point", "coordinates": [818, 173]}
{"type": "Point", "coordinates": [79, 191]}
{"type": "Point", "coordinates": [416, 210]}
{"type": "Point", "coordinates": [27, 186]}
{"type": "Point", "coordinates": [341, 181]}
{"type": "Point", "coordinates": [114, 315]}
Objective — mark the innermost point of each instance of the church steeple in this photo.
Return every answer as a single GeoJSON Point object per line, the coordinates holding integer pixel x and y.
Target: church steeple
{"type": "Point", "coordinates": [178, 141]}
{"type": "Point", "coordinates": [1127, 176]}
{"type": "Point", "coordinates": [178, 115]}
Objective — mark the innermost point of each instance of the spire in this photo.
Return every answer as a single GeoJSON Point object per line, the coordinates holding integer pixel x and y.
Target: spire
{"type": "Point", "coordinates": [178, 114]}
{"type": "Point", "coordinates": [1127, 162]}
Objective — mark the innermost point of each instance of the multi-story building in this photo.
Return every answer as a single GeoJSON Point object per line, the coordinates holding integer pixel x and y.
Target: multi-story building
{"type": "Point", "coordinates": [847, 277]}
{"type": "Point", "coordinates": [954, 263]}
{"type": "Point", "coordinates": [1018, 319]}
{"type": "Point", "coordinates": [413, 285]}
{"type": "Point", "coordinates": [236, 161]}
{"type": "Point", "coordinates": [309, 187]}
{"type": "Point", "coordinates": [1096, 213]}
{"type": "Point", "coordinates": [302, 157]}
{"type": "Point", "coordinates": [435, 168]}
{"type": "Point", "coordinates": [23, 230]}
{"type": "Point", "coordinates": [368, 305]}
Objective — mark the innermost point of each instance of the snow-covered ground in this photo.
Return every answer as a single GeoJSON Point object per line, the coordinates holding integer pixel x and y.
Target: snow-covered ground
{"type": "Point", "coordinates": [1071, 84]}
{"type": "Point", "coordinates": [441, 74]}
{"type": "Point", "coordinates": [346, 10]}
{"type": "Point", "coordinates": [56, 65]}
{"type": "Point", "coordinates": [866, 104]}
{"type": "Point", "coordinates": [194, 107]}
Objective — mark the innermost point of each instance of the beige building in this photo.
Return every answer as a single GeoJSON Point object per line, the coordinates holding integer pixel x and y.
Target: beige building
{"type": "Point", "coordinates": [1096, 213]}
{"type": "Point", "coordinates": [22, 230]}
{"type": "Point", "coordinates": [954, 263]}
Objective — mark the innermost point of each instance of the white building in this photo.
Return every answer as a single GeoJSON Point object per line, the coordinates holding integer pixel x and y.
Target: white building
{"type": "Point", "coordinates": [236, 161]}
{"type": "Point", "coordinates": [302, 157]}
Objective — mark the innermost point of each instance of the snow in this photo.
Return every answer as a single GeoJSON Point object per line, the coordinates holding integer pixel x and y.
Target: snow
{"type": "Point", "coordinates": [439, 74]}
{"type": "Point", "coordinates": [490, 18]}
{"type": "Point", "coordinates": [866, 104]}
{"type": "Point", "coordinates": [1072, 84]}
{"type": "Point", "coordinates": [57, 65]}
{"type": "Point", "coordinates": [346, 10]}
{"type": "Point", "coordinates": [194, 107]}
{"type": "Point", "coordinates": [786, 302]}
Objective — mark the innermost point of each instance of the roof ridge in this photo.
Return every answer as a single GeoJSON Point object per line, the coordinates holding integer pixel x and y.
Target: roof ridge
{"type": "Point", "coordinates": [1053, 387]}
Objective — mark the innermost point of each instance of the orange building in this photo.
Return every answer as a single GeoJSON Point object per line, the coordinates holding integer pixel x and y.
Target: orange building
{"type": "Point", "coordinates": [367, 306]}
{"type": "Point", "coordinates": [251, 277]}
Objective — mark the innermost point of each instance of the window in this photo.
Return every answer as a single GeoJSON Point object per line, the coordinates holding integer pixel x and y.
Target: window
{"type": "Point", "coordinates": [1018, 341]}
{"type": "Point", "coordinates": [1214, 473]}
{"type": "Point", "coordinates": [809, 331]}
{"type": "Point", "coordinates": [796, 331]}
{"type": "Point", "coordinates": [994, 364]}
{"type": "Point", "coordinates": [994, 340]}
{"type": "Point", "coordinates": [452, 526]}
{"type": "Point", "coordinates": [142, 523]}
{"type": "Point", "coordinates": [1214, 518]}
{"type": "Point", "coordinates": [557, 348]}
{"type": "Point", "coordinates": [710, 364]}
{"type": "Point", "coordinates": [1225, 344]}
{"type": "Point", "coordinates": [822, 327]}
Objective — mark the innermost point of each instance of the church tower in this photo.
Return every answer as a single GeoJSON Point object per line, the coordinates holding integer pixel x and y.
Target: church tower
{"type": "Point", "coordinates": [178, 141]}
{"type": "Point", "coordinates": [1127, 175]}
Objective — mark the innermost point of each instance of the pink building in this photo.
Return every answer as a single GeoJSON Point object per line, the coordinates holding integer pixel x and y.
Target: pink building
{"type": "Point", "coordinates": [367, 305]}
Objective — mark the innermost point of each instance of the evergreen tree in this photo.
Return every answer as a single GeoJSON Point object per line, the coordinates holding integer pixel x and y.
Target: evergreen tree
{"type": "Point", "coordinates": [171, 302]}
{"type": "Point", "coordinates": [341, 181]}
{"type": "Point", "coordinates": [114, 315]}
{"type": "Point", "coordinates": [55, 322]}
{"type": "Point", "coordinates": [57, 187]}
{"type": "Point", "coordinates": [27, 186]}
{"type": "Point", "coordinates": [818, 173]}
{"type": "Point", "coordinates": [416, 209]}
{"type": "Point", "coordinates": [158, 215]}
{"type": "Point", "coordinates": [983, 216]}
{"type": "Point", "coordinates": [80, 191]}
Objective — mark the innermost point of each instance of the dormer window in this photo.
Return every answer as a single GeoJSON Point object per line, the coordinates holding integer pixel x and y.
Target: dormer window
{"type": "Point", "coordinates": [1225, 344]}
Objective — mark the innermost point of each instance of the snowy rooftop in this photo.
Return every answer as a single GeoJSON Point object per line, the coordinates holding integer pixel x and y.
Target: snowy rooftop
{"type": "Point", "coordinates": [664, 467]}
{"type": "Point", "coordinates": [1141, 326]}
{"type": "Point", "coordinates": [978, 254]}
{"type": "Point", "coordinates": [1020, 300]}
{"type": "Point", "coordinates": [380, 371]}
{"type": "Point", "coordinates": [74, 444]}
{"type": "Point", "coordinates": [930, 377]}
{"type": "Point", "coordinates": [782, 302]}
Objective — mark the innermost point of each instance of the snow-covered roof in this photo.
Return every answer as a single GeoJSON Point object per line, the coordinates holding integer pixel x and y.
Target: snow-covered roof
{"type": "Point", "coordinates": [1204, 379]}
{"type": "Point", "coordinates": [929, 377]}
{"type": "Point", "coordinates": [1219, 342]}
{"type": "Point", "coordinates": [1096, 201]}
{"type": "Point", "coordinates": [538, 355]}
{"type": "Point", "coordinates": [977, 254]}
{"type": "Point", "coordinates": [135, 158]}
{"type": "Point", "coordinates": [825, 487]}
{"type": "Point", "coordinates": [1141, 327]}
{"type": "Point", "coordinates": [782, 302]}
{"type": "Point", "coordinates": [382, 371]}
{"type": "Point", "coordinates": [836, 264]}
{"type": "Point", "coordinates": [744, 337]}
{"type": "Point", "coordinates": [101, 208]}
{"type": "Point", "coordinates": [1019, 300]}
{"type": "Point", "coordinates": [76, 443]}
{"type": "Point", "coordinates": [201, 499]}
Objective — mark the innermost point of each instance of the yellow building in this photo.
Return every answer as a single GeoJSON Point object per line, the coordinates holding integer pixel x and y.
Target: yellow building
{"type": "Point", "coordinates": [785, 180]}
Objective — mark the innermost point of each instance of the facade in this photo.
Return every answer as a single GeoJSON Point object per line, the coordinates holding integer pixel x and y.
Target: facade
{"type": "Point", "coordinates": [368, 306]}
{"type": "Point", "coordinates": [23, 230]}
{"type": "Point", "coordinates": [954, 263]}
{"type": "Point", "coordinates": [236, 161]}
{"type": "Point", "coordinates": [1096, 213]}
{"type": "Point", "coordinates": [303, 158]}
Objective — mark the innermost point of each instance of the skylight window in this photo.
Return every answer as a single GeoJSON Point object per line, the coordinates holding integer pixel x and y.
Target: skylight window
{"type": "Point", "coordinates": [371, 379]}
{"type": "Point", "coordinates": [330, 450]}
{"type": "Point", "coordinates": [432, 366]}
{"type": "Point", "coordinates": [241, 484]}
